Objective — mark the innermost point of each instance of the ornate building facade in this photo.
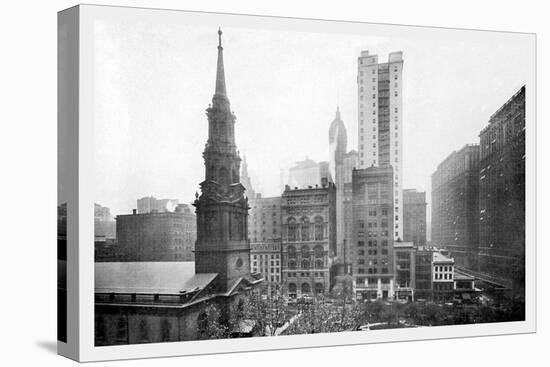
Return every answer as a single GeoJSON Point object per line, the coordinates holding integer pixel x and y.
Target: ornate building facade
{"type": "Point", "coordinates": [309, 239]}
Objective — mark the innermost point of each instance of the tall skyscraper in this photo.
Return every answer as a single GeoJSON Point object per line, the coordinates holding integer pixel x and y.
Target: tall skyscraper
{"type": "Point", "coordinates": [380, 140]}
{"type": "Point", "coordinates": [222, 245]}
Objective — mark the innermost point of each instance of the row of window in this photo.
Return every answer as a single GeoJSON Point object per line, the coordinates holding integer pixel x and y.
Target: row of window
{"type": "Point", "coordinates": [266, 256]}
{"type": "Point", "coordinates": [306, 264]}
{"type": "Point", "coordinates": [372, 271]}
{"type": "Point", "coordinates": [305, 274]}
{"type": "Point", "coordinates": [372, 243]}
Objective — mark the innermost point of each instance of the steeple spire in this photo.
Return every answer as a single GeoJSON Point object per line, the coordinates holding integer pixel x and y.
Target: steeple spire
{"type": "Point", "coordinates": [220, 74]}
{"type": "Point", "coordinates": [244, 167]}
{"type": "Point", "coordinates": [338, 112]}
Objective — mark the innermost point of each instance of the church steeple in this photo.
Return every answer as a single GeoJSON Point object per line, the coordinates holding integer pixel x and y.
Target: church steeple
{"type": "Point", "coordinates": [220, 73]}
{"type": "Point", "coordinates": [222, 245]}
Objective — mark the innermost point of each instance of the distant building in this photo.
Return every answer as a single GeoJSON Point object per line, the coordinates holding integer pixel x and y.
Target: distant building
{"type": "Point", "coordinates": [455, 190]}
{"type": "Point", "coordinates": [337, 154]}
{"type": "Point", "coordinates": [501, 178]}
{"type": "Point", "coordinates": [102, 213]}
{"type": "Point", "coordinates": [246, 181]}
{"type": "Point", "coordinates": [165, 236]}
{"type": "Point", "coordinates": [309, 239]}
{"type": "Point", "coordinates": [414, 217]}
{"type": "Point", "coordinates": [307, 173]}
{"type": "Point", "coordinates": [104, 223]}
{"type": "Point", "coordinates": [372, 233]}
{"type": "Point", "coordinates": [380, 95]}
{"type": "Point", "coordinates": [264, 220]}
{"type": "Point", "coordinates": [151, 204]}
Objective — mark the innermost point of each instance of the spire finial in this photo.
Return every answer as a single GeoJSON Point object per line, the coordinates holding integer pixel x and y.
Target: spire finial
{"type": "Point", "coordinates": [220, 74]}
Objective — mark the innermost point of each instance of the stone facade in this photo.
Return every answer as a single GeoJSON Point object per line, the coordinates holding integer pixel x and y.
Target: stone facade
{"type": "Point", "coordinates": [309, 239]}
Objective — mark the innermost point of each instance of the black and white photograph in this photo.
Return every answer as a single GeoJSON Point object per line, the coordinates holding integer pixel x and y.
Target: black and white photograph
{"type": "Point", "coordinates": [265, 182]}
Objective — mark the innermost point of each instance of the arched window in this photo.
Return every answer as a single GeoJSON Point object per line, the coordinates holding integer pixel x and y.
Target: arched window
{"type": "Point", "coordinates": [305, 251]}
{"type": "Point", "coordinates": [292, 288]}
{"type": "Point", "coordinates": [305, 228]}
{"type": "Point", "coordinates": [292, 229]}
{"type": "Point", "coordinates": [319, 264]}
{"type": "Point", "coordinates": [306, 288]}
{"type": "Point", "coordinates": [291, 252]}
{"type": "Point", "coordinates": [319, 228]}
{"type": "Point", "coordinates": [305, 264]}
{"type": "Point", "coordinates": [318, 251]}
{"type": "Point", "coordinates": [292, 265]}
{"type": "Point", "coordinates": [319, 288]}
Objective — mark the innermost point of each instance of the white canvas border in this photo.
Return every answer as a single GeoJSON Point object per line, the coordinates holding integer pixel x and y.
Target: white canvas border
{"type": "Point", "coordinates": [89, 13]}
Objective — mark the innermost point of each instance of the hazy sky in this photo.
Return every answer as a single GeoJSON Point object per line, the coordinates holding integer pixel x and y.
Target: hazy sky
{"type": "Point", "coordinates": [153, 82]}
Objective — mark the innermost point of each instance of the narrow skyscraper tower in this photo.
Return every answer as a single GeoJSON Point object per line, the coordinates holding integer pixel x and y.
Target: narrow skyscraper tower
{"type": "Point", "coordinates": [222, 245]}
{"type": "Point", "coordinates": [380, 140]}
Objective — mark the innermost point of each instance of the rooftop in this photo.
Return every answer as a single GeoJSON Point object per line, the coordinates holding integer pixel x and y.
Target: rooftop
{"type": "Point", "coordinates": [149, 277]}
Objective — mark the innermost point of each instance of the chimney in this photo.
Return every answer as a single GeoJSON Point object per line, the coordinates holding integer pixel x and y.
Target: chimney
{"type": "Point", "coordinates": [324, 182]}
{"type": "Point", "coordinates": [134, 211]}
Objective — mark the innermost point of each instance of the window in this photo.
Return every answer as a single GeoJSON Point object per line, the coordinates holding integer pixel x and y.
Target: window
{"type": "Point", "coordinates": [305, 228]}
{"type": "Point", "coordinates": [292, 229]}
{"type": "Point", "coordinates": [319, 228]}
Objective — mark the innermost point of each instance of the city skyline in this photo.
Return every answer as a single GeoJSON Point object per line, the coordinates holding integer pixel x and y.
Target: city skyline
{"type": "Point", "coordinates": [282, 124]}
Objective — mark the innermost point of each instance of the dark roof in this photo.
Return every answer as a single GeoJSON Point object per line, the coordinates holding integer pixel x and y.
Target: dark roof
{"type": "Point", "coordinates": [169, 277]}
